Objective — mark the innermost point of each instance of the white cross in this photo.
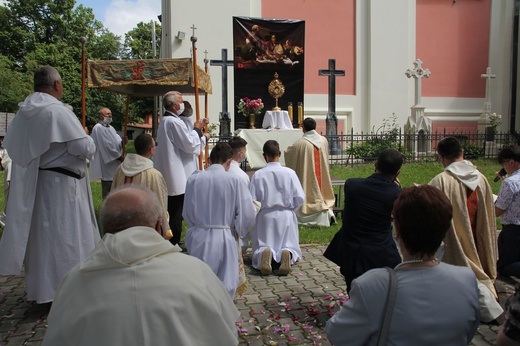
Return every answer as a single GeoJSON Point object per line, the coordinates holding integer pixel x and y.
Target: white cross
{"type": "Point", "coordinates": [489, 76]}
{"type": "Point", "coordinates": [417, 73]}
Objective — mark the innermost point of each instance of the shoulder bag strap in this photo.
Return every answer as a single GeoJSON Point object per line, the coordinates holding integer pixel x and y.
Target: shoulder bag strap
{"type": "Point", "coordinates": [389, 308]}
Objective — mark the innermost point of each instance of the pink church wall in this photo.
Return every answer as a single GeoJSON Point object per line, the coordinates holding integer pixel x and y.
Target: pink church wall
{"type": "Point", "coordinates": [453, 43]}
{"type": "Point", "coordinates": [454, 127]}
{"type": "Point", "coordinates": [330, 33]}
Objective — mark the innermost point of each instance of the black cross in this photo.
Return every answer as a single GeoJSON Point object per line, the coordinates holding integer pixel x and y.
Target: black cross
{"type": "Point", "coordinates": [332, 120]}
{"type": "Point", "coordinates": [225, 120]}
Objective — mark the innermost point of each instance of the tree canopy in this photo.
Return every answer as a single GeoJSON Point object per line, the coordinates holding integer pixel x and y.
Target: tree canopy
{"type": "Point", "coordinates": [34, 33]}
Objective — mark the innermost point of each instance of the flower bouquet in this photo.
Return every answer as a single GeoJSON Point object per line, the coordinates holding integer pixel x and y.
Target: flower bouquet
{"type": "Point", "coordinates": [247, 106]}
{"type": "Point", "coordinates": [250, 108]}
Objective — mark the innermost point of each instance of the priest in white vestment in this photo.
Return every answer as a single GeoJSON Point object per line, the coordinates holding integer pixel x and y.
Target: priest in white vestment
{"type": "Point", "coordinates": [176, 146]}
{"type": "Point", "coordinates": [109, 151]}
{"type": "Point", "coordinates": [185, 116]}
{"type": "Point", "coordinates": [139, 289]}
{"type": "Point", "coordinates": [280, 193]}
{"type": "Point", "coordinates": [217, 202]}
{"type": "Point", "coordinates": [138, 169]}
{"type": "Point", "coordinates": [51, 225]}
{"type": "Point", "coordinates": [309, 158]}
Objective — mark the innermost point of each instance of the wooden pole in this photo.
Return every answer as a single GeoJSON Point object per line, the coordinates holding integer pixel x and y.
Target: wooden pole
{"type": "Point", "coordinates": [206, 149]}
{"type": "Point", "coordinates": [126, 121]}
{"type": "Point", "coordinates": [83, 86]}
{"type": "Point", "coordinates": [196, 81]}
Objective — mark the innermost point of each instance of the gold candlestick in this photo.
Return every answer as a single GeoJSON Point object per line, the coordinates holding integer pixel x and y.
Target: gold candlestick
{"type": "Point", "coordinates": [289, 110]}
{"type": "Point", "coordinates": [300, 114]}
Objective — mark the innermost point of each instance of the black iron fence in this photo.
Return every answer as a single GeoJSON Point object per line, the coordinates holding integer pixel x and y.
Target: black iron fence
{"type": "Point", "coordinates": [358, 148]}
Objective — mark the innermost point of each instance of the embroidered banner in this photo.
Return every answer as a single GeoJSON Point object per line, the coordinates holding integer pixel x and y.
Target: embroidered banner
{"type": "Point", "coordinates": [151, 77]}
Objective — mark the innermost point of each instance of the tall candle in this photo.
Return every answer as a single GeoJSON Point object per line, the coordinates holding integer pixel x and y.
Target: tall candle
{"type": "Point", "coordinates": [289, 110]}
{"type": "Point", "coordinates": [300, 113]}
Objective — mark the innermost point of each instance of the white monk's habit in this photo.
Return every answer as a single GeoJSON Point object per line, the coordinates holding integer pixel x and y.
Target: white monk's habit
{"type": "Point", "coordinates": [138, 289]}
{"type": "Point", "coordinates": [109, 149]}
{"type": "Point", "coordinates": [309, 158]}
{"type": "Point", "coordinates": [174, 155]}
{"type": "Point", "coordinates": [138, 170]}
{"type": "Point", "coordinates": [279, 191]}
{"type": "Point", "coordinates": [51, 225]}
{"type": "Point", "coordinates": [217, 201]}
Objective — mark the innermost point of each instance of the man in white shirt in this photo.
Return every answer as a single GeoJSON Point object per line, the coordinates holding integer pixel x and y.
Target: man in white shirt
{"type": "Point", "coordinates": [279, 191]}
{"type": "Point", "coordinates": [216, 202]}
{"type": "Point", "coordinates": [54, 226]}
{"type": "Point", "coordinates": [176, 146]}
{"type": "Point", "coordinates": [109, 151]}
{"type": "Point", "coordinates": [138, 289]}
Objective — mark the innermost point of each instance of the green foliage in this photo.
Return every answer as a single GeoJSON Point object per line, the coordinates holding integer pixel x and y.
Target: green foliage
{"type": "Point", "coordinates": [385, 137]}
{"type": "Point", "coordinates": [14, 86]}
{"type": "Point", "coordinates": [138, 42]}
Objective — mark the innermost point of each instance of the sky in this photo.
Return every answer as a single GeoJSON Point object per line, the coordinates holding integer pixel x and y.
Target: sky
{"type": "Point", "coordinates": [121, 16]}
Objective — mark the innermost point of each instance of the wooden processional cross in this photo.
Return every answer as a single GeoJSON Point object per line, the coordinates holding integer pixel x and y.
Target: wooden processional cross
{"type": "Point", "coordinates": [332, 120]}
{"type": "Point", "coordinates": [225, 120]}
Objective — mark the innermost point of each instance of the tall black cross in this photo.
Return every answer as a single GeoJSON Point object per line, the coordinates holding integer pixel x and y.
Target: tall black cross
{"type": "Point", "coordinates": [332, 120]}
{"type": "Point", "coordinates": [225, 120]}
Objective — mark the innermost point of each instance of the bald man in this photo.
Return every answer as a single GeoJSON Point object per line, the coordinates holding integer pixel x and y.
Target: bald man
{"type": "Point", "coordinates": [109, 151]}
{"type": "Point", "coordinates": [137, 288]}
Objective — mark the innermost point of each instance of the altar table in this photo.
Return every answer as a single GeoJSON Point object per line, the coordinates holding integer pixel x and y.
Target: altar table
{"type": "Point", "coordinates": [277, 120]}
{"type": "Point", "coordinates": [257, 137]}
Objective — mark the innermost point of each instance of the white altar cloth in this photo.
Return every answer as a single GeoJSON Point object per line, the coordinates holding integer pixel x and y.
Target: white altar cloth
{"type": "Point", "coordinates": [256, 139]}
{"type": "Point", "coordinates": [277, 120]}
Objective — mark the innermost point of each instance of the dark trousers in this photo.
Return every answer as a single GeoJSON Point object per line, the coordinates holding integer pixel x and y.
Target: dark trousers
{"type": "Point", "coordinates": [175, 204]}
{"type": "Point", "coordinates": [106, 185]}
{"type": "Point", "coordinates": [509, 251]}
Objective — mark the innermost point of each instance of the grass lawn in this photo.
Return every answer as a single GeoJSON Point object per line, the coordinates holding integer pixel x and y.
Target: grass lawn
{"type": "Point", "coordinates": [420, 173]}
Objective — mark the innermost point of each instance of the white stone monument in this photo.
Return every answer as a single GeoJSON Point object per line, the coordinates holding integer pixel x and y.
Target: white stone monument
{"type": "Point", "coordinates": [418, 125]}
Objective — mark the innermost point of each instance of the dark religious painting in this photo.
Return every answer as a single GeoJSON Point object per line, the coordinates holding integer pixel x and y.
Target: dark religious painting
{"type": "Point", "coordinates": [263, 47]}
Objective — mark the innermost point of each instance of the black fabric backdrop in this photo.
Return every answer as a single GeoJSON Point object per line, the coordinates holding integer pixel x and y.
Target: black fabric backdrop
{"type": "Point", "coordinates": [253, 72]}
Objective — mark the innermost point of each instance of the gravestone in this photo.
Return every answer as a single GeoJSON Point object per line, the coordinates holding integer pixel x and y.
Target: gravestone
{"type": "Point", "coordinates": [224, 118]}
{"type": "Point", "coordinates": [332, 120]}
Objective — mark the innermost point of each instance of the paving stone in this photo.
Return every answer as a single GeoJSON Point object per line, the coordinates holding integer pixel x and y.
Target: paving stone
{"type": "Point", "coordinates": [282, 304]}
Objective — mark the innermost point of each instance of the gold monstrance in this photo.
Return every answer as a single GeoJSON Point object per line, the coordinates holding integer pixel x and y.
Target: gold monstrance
{"type": "Point", "coordinates": [276, 89]}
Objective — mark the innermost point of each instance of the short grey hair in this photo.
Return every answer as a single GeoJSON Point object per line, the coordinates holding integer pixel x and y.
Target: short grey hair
{"type": "Point", "coordinates": [171, 98]}
{"type": "Point", "coordinates": [45, 77]}
{"type": "Point", "coordinates": [144, 210]}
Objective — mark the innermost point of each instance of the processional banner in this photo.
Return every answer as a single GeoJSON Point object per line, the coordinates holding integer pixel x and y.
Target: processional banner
{"type": "Point", "coordinates": [263, 47]}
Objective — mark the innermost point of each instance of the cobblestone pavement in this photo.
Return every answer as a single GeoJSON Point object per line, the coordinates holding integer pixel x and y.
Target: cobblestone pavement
{"type": "Point", "coordinates": [275, 310]}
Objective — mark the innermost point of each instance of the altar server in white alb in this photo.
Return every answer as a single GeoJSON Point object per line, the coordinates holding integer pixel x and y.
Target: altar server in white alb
{"type": "Point", "coordinates": [280, 193]}
{"type": "Point", "coordinates": [139, 289]}
{"type": "Point", "coordinates": [174, 157]}
{"type": "Point", "coordinates": [109, 151]}
{"type": "Point", "coordinates": [51, 225]}
{"type": "Point", "coordinates": [217, 201]}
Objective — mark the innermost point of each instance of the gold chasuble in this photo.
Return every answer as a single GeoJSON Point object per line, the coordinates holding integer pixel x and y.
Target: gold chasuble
{"type": "Point", "coordinates": [309, 158]}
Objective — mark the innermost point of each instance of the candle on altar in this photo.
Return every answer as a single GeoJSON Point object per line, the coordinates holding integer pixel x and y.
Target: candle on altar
{"type": "Point", "coordinates": [289, 110]}
{"type": "Point", "coordinates": [300, 113]}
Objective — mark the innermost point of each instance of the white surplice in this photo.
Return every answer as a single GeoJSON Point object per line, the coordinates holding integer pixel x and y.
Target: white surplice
{"type": "Point", "coordinates": [217, 201]}
{"type": "Point", "coordinates": [279, 191]}
{"type": "Point", "coordinates": [108, 150]}
{"type": "Point", "coordinates": [138, 289]}
{"type": "Point", "coordinates": [239, 172]}
{"type": "Point", "coordinates": [174, 155]}
{"type": "Point", "coordinates": [188, 121]}
{"type": "Point", "coordinates": [51, 224]}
